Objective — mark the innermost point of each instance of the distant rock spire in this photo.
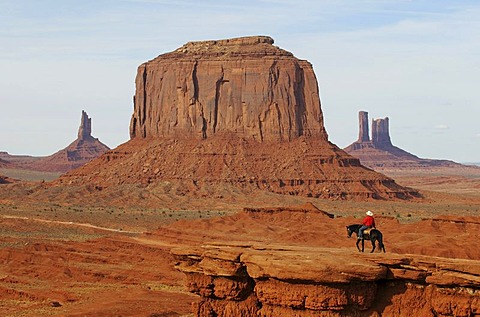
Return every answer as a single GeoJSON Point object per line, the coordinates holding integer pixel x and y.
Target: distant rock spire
{"type": "Point", "coordinates": [380, 153]}
{"type": "Point", "coordinates": [380, 133]}
{"type": "Point", "coordinates": [363, 135]}
{"type": "Point", "coordinates": [85, 130]}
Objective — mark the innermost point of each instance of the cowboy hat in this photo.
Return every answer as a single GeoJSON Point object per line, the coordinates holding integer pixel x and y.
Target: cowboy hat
{"type": "Point", "coordinates": [369, 213]}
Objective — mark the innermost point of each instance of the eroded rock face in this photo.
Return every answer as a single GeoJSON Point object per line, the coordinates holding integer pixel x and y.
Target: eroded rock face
{"type": "Point", "coordinates": [381, 133]}
{"type": "Point", "coordinates": [244, 86]}
{"type": "Point", "coordinates": [294, 281]}
{"type": "Point", "coordinates": [299, 262]}
{"type": "Point", "coordinates": [85, 129]}
{"type": "Point", "coordinates": [379, 152]}
{"type": "Point", "coordinates": [239, 113]}
{"type": "Point", "coordinates": [363, 133]}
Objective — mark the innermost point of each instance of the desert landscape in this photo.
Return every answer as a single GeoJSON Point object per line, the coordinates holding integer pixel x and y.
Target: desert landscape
{"type": "Point", "coordinates": [230, 200]}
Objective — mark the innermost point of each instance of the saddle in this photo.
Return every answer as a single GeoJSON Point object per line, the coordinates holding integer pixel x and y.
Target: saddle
{"type": "Point", "coordinates": [367, 231]}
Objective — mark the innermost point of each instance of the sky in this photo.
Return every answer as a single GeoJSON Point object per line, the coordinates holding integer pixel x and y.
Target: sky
{"type": "Point", "coordinates": [414, 61]}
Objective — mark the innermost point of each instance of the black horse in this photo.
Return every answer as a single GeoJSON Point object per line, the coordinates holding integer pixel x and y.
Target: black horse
{"type": "Point", "coordinates": [374, 235]}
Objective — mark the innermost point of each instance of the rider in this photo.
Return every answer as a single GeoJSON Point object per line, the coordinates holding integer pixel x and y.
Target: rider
{"type": "Point", "coordinates": [368, 222]}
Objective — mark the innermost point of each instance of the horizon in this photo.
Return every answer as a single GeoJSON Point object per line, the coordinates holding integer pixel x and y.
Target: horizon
{"type": "Point", "coordinates": [414, 62]}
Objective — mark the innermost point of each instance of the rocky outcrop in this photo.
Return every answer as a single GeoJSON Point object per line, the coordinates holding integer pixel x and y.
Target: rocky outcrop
{"type": "Point", "coordinates": [299, 262]}
{"type": "Point", "coordinates": [217, 165]}
{"type": "Point", "coordinates": [381, 133]}
{"type": "Point", "coordinates": [363, 135]}
{"type": "Point", "coordinates": [245, 280]}
{"type": "Point", "coordinates": [237, 113]}
{"type": "Point", "coordinates": [379, 152]}
{"type": "Point", "coordinates": [81, 151]}
{"type": "Point", "coordinates": [85, 129]}
{"type": "Point", "coordinates": [245, 86]}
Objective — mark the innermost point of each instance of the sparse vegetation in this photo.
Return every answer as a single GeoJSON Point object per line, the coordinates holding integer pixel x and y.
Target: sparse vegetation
{"type": "Point", "coordinates": [28, 175]}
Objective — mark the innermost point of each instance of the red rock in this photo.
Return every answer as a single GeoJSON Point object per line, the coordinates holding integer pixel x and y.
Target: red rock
{"type": "Point", "coordinates": [363, 135]}
{"type": "Point", "coordinates": [238, 113]}
{"type": "Point", "coordinates": [85, 129]}
{"type": "Point", "coordinates": [244, 86]}
{"type": "Point", "coordinates": [379, 152]}
{"type": "Point", "coordinates": [81, 151]}
{"type": "Point", "coordinates": [381, 133]}
{"type": "Point", "coordinates": [295, 281]}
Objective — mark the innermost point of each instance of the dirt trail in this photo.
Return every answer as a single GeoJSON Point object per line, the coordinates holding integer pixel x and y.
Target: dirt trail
{"type": "Point", "coordinates": [71, 223]}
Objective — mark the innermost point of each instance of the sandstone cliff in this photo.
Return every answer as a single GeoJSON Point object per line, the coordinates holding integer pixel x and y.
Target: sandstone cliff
{"type": "Point", "coordinates": [299, 262]}
{"type": "Point", "coordinates": [284, 281]}
{"type": "Point", "coordinates": [244, 86]}
{"type": "Point", "coordinates": [237, 114]}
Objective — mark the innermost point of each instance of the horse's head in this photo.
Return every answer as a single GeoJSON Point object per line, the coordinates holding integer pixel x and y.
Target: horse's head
{"type": "Point", "coordinates": [349, 232]}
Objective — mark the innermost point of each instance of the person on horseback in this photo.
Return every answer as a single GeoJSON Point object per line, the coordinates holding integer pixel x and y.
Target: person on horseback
{"type": "Point", "coordinates": [368, 222]}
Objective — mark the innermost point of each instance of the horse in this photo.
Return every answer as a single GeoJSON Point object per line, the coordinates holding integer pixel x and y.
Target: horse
{"type": "Point", "coordinates": [373, 236]}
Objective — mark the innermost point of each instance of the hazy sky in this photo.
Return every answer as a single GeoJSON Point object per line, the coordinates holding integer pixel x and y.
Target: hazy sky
{"type": "Point", "coordinates": [416, 62]}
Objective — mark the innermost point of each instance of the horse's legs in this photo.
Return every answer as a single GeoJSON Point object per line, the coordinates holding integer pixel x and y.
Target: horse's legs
{"type": "Point", "coordinates": [373, 244]}
{"type": "Point", "coordinates": [382, 246]}
{"type": "Point", "coordinates": [363, 245]}
{"type": "Point", "coordinates": [380, 243]}
{"type": "Point", "coordinates": [358, 248]}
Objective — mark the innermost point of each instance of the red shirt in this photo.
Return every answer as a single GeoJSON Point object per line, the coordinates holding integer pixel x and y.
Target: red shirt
{"type": "Point", "coordinates": [369, 221]}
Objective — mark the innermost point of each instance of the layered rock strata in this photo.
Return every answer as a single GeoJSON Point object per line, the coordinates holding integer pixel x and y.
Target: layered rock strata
{"type": "Point", "coordinates": [244, 86]}
{"type": "Point", "coordinates": [248, 280]}
{"type": "Point", "coordinates": [236, 113]}
{"type": "Point", "coordinates": [302, 167]}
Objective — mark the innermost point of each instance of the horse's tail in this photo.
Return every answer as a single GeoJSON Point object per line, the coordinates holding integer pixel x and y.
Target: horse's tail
{"type": "Point", "coordinates": [380, 241]}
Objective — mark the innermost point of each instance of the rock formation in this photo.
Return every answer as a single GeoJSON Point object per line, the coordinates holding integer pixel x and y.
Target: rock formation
{"type": "Point", "coordinates": [85, 129]}
{"type": "Point", "coordinates": [238, 112]}
{"type": "Point", "coordinates": [363, 135]}
{"type": "Point", "coordinates": [244, 86]}
{"type": "Point", "coordinates": [81, 151]}
{"type": "Point", "coordinates": [234, 280]}
{"type": "Point", "coordinates": [379, 152]}
{"type": "Point", "coordinates": [380, 133]}
{"type": "Point", "coordinates": [286, 263]}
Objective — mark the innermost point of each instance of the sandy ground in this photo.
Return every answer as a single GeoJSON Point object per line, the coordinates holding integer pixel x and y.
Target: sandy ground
{"type": "Point", "coordinates": [63, 260]}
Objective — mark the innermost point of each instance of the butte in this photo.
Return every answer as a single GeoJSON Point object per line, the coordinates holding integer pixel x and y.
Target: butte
{"type": "Point", "coordinates": [234, 114]}
{"type": "Point", "coordinates": [379, 153]}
